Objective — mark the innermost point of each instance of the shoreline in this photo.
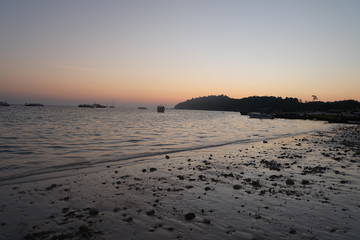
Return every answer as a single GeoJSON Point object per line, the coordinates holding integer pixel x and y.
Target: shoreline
{"type": "Point", "coordinates": [295, 187]}
{"type": "Point", "coordinates": [73, 169]}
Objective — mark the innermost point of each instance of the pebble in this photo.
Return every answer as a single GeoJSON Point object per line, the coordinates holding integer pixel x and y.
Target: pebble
{"type": "Point", "coordinates": [190, 216]}
{"type": "Point", "coordinates": [237, 187]}
{"type": "Point", "coordinates": [290, 181]}
{"type": "Point", "coordinates": [93, 212]}
{"type": "Point", "coordinates": [305, 182]}
{"type": "Point", "coordinates": [150, 213]}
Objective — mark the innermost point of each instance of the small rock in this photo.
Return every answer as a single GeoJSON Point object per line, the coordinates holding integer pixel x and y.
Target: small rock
{"type": "Point", "coordinates": [255, 183]}
{"type": "Point", "coordinates": [305, 182]}
{"type": "Point", "coordinates": [52, 186]}
{"type": "Point", "coordinates": [150, 213]}
{"type": "Point", "coordinates": [292, 231]}
{"type": "Point", "coordinates": [129, 219]}
{"type": "Point", "coordinates": [153, 169]}
{"type": "Point", "coordinates": [290, 181]}
{"type": "Point", "coordinates": [180, 177]}
{"type": "Point", "coordinates": [65, 210]}
{"type": "Point", "coordinates": [167, 157]}
{"type": "Point", "coordinates": [237, 187]}
{"type": "Point", "coordinates": [190, 216]}
{"type": "Point", "coordinates": [93, 211]}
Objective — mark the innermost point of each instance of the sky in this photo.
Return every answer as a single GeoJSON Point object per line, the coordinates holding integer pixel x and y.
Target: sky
{"type": "Point", "coordinates": [166, 51]}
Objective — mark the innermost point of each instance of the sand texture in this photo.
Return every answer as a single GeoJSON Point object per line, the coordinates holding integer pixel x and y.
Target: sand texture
{"type": "Point", "coordinates": [303, 187]}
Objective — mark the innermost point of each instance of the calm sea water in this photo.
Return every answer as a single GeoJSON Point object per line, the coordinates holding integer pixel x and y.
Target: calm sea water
{"type": "Point", "coordinates": [38, 140]}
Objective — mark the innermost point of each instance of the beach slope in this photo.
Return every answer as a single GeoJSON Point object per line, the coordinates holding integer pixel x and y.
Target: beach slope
{"type": "Point", "coordinates": [303, 187]}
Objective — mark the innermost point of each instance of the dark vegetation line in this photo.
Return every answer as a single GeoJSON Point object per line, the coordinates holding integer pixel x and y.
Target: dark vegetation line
{"type": "Point", "coordinates": [338, 111]}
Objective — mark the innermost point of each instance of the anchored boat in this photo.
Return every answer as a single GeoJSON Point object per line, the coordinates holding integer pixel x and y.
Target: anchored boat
{"type": "Point", "coordinates": [160, 109]}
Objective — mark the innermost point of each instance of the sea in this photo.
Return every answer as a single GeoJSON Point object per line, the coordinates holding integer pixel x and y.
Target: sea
{"type": "Point", "coordinates": [41, 142]}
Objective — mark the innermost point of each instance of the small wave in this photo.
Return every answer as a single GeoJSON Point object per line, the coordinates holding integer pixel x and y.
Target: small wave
{"type": "Point", "coordinates": [57, 147]}
{"type": "Point", "coordinates": [134, 140]}
{"type": "Point", "coordinates": [6, 151]}
{"type": "Point", "coordinates": [67, 169]}
{"type": "Point", "coordinates": [24, 152]}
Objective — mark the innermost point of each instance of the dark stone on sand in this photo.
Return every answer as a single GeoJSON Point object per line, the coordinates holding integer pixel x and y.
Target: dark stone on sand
{"type": "Point", "coordinates": [167, 157]}
{"type": "Point", "coordinates": [150, 213]}
{"type": "Point", "coordinates": [129, 219]}
{"type": "Point", "coordinates": [272, 165]}
{"type": "Point", "coordinates": [189, 216]}
{"type": "Point", "coordinates": [180, 177]}
{"type": "Point", "coordinates": [255, 183]}
{"type": "Point", "coordinates": [314, 170]}
{"type": "Point", "coordinates": [153, 169]}
{"type": "Point", "coordinates": [65, 210]}
{"type": "Point", "coordinates": [52, 186]}
{"type": "Point", "coordinates": [84, 232]}
{"type": "Point", "coordinates": [227, 175]}
{"type": "Point", "coordinates": [247, 179]}
{"type": "Point", "coordinates": [144, 170]}
{"type": "Point", "coordinates": [292, 231]}
{"type": "Point", "coordinates": [265, 141]}
{"type": "Point", "coordinates": [237, 186]}
{"type": "Point", "coordinates": [305, 182]}
{"type": "Point", "coordinates": [290, 181]}
{"type": "Point", "coordinates": [93, 212]}
{"type": "Point", "coordinates": [344, 181]}
{"type": "Point", "coordinates": [202, 177]}
{"type": "Point", "coordinates": [272, 177]}
{"type": "Point", "coordinates": [207, 188]}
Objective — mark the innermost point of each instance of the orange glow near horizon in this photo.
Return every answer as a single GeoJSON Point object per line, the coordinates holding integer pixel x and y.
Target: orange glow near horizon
{"type": "Point", "coordinates": [89, 84]}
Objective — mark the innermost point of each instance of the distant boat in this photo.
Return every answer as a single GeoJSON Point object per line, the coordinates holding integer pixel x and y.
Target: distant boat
{"type": "Point", "coordinates": [34, 105]}
{"type": "Point", "coordinates": [160, 109]}
{"type": "Point", "coordinates": [95, 105]}
{"type": "Point", "coordinates": [142, 108]}
{"type": "Point", "coordinates": [4, 104]}
{"type": "Point", "coordinates": [86, 106]}
{"type": "Point", "coordinates": [112, 106]}
{"type": "Point", "coordinates": [260, 115]}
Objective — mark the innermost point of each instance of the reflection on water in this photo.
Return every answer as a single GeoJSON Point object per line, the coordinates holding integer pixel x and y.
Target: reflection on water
{"type": "Point", "coordinates": [33, 140]}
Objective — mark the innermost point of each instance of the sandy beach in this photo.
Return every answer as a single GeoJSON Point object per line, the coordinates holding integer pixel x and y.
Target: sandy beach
{"type": "Point", "coordinates": [303, 187]}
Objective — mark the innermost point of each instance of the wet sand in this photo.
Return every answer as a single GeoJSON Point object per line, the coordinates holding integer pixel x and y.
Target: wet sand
{"type": "Point", "coordinates": [303, 187]}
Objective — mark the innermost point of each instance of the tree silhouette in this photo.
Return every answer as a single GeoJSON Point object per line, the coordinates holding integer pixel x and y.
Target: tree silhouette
{"type": "Point", "coordinates": [314, 97]}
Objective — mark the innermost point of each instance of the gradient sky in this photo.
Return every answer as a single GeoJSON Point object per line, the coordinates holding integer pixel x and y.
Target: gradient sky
{"type": "Point", "coordinates": [152, 51]}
